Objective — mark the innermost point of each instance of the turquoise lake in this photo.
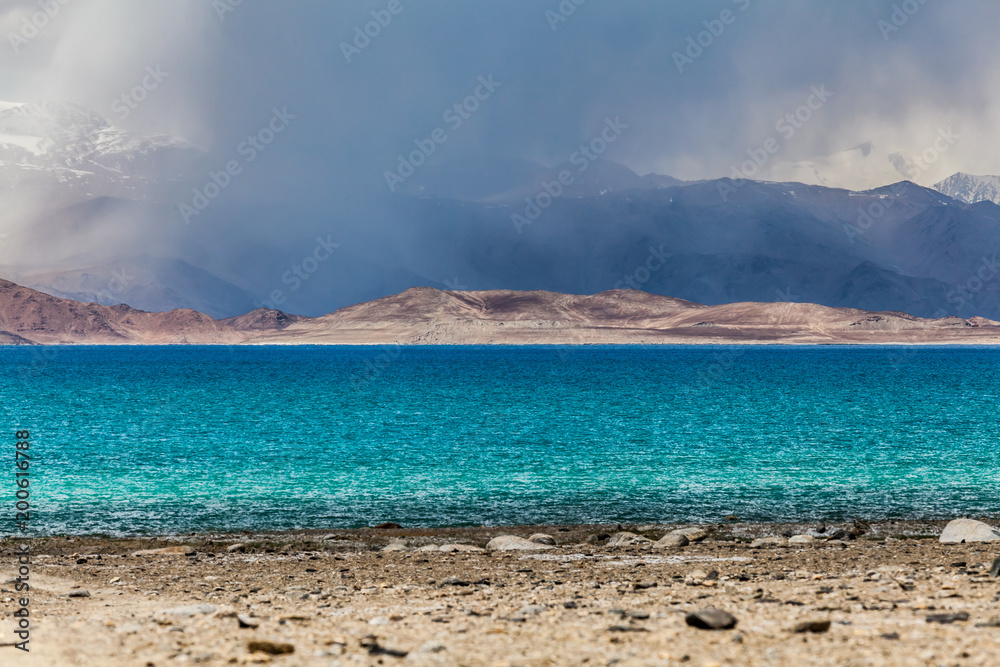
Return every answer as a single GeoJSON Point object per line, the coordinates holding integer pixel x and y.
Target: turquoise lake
{"type": "Point", "coordinates": [130, 440]}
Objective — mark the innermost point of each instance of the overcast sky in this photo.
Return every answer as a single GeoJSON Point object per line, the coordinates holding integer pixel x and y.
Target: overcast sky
{"type": "Point", "coordinates": [897, 81]}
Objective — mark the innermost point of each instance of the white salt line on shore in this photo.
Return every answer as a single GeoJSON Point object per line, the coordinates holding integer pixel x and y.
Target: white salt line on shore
{"type": "Point", "coordinates": [630, 560]}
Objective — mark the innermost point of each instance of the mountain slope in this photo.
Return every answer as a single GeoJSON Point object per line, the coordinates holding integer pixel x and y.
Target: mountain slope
{"type": "Point", "coordinates": [80, 153]}
{"type": "Point", "coordinates": [30, 316]}
{"type": "Point", "coordinates": [433, 317]}
{"type": "Point", "coordinates": [430, 316]}
{"type": "Point", "coordinates": [971, 189]}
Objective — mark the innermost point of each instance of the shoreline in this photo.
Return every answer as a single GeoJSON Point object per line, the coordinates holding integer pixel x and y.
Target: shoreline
{"type": "Point", "coordinates": [650, 344]}
{"type": "Point", "coordinates": [727, 530]}
{"type": "Point", "coordinates": [886, 593]}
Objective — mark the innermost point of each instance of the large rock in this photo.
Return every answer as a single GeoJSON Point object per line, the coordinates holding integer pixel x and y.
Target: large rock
{"type": "Point", "coordinates": [711, 619]}
{"type": "Point", "coordinates": [801, 539]}
{"type": "Point", "coordinates": [514, 543]}
{"type": "Point", "coordinates": [542, 538]}
{"type": "Point", "coordinates": [626, 539]}
{"type": "Point", "coordinates": [694, 533]}
{"type": "Point", "coordinates": [769, 542]}
{"type": "Point", "coordinates": [968, 530]}
{"type": "Point", "coordinates": [671, 541]}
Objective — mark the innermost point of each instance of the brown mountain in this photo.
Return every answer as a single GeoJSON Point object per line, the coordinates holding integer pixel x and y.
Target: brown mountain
{"type": "Point", "coordinates": [428, 316]}
{"type": "Point", "coordinates": [28, 316]}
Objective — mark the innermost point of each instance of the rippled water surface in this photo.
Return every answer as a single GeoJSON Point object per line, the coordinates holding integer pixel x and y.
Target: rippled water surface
{"type": "Point", "coordinates": [178, 439]}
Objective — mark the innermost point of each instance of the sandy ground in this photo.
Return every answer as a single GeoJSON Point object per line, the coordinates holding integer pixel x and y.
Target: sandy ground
{"type": "Point", "coordinates": [337, 599]}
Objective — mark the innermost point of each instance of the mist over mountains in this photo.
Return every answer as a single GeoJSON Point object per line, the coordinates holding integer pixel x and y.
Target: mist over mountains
{"type": "Point", "coordinates": [114, 234]}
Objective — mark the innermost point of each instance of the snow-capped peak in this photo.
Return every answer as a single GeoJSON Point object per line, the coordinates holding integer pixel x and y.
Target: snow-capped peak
{"type": "Point", "coordinates": [970, 188]}
{"type": "Point", "coordinates": [70, 144]}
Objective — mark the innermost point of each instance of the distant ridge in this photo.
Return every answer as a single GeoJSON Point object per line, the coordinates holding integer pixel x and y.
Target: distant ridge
{"type": "Point", "coordinates": [971, 189]}
{"type": "Point", "coordinates": [31, 317]}
{"type": "Point", "coordinates": [427, 316]}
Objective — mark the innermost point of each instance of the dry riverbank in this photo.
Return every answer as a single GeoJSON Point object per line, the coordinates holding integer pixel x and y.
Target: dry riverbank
{"type": "Point", "coordinates": [338, 598]}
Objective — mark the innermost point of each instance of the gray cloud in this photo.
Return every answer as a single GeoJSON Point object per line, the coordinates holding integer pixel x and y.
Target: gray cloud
{"type": "Point", "coordinates": [228, 72]}
{"type": "Point", "coordinates": [606, 58]}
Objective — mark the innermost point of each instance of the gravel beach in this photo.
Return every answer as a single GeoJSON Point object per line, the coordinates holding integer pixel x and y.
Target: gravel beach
{"type": "Point", "coordinates": [880, 594]}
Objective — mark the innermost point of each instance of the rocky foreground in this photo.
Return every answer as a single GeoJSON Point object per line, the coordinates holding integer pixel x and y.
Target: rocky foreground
{"type": "Point", "coordinates": [727, 594]}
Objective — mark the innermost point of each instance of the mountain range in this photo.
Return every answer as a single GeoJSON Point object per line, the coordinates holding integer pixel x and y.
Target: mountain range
{"type": "Point", "coordinates": [971, 189]}
{"type": "Point", "coordinates": [427, 316]}
{"type": "Point", "coordinates": [91, 214]}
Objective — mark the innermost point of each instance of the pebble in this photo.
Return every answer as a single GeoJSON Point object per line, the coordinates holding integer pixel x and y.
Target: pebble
{"type": "Point", "coordinates": [245, 621]}
{"type": "Point", "coordinates": [816, 626]}
{"type": "Point", "coordinates": [843, 535]}
{"type": "Point", "coordinates": [995, 569]}
{"type": "Point", "coordinates": [801, 539]}
{"type": "Point", "coordinates": [370, 643]}
{"type": "Point", "coordinates": [191, 610]}
{"type": "Point", "coordinates": [396, 545]}
{"type": "Point", "coordinates": [454, 581]}
{"type": "Point", "coordinates": [711, 619]}
{"type": "Point", "coordinates": [531, 610]}
{"type": "Point", "coordinates": [697, 575]}
{"type": "Point", "coordinates": [79, 593]}
{"type": "Point", "coordinates": [269, 647]}
{"type": "Point", "coordinates": [627, 628]}
{"type": "Point", "coordinates": [379, 620]}
{"type": "Point", "coordinates": [388, 525]}
{"type": "Point", "coordinates": [432, 647]}
{"type": "Point", "coordinates": [237, 548]}
{"type": "Point", "coordinates": [948, 618]}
